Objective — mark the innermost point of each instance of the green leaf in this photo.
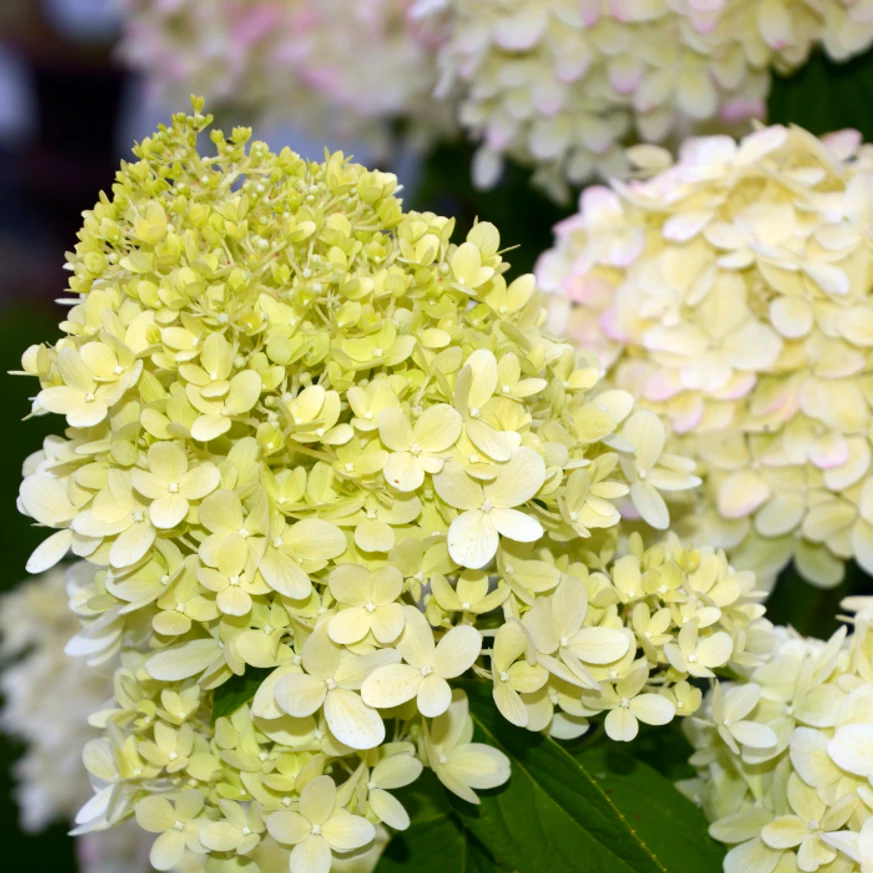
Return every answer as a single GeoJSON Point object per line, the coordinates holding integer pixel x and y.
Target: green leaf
{"type": "Point", "coordinates": [437, 845]}
{"type": "Point", "coordinates": [599, 811]}
{"type": "Point", "coordinates": [823, 96]}
{"type": "Point", "coordinates": [229, 697]}
{"type": "Point", "coordinates": [665, 749]}
{"type": "Point", "coordinates": [436, 841]}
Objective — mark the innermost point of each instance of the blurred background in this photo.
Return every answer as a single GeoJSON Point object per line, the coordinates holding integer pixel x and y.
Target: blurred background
{"type": "Point", "coordinates": [69, 112]}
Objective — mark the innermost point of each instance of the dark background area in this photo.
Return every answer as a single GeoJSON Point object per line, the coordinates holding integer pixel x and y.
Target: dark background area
{"type": "Point", "coordinates": [79, 100]}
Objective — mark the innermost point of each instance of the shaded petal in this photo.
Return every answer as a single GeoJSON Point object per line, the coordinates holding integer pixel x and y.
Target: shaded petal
{"type": "Point", "coordinates": [473, 539]}
{"type": "Point", "coordinates": [345, 832]}
{"type": "Point", "coordinates": [457, 651]}
{"type": "Point", "coordinates": [351, 721]}
{"type": "Point", "coordinates": [300, 694]}
{"type": "Point", "coordinates": [311, 856]}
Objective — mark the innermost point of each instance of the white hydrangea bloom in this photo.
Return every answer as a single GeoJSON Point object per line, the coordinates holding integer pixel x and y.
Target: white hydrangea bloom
{"type": "Point", "coordinates": [333, 67]}
{"type": "Point", "coordinates": [784, 756]}
{"type": "Point", "coordinates": [564, 84]}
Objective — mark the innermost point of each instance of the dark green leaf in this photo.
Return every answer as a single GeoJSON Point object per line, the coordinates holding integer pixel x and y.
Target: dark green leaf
{"type": "Point", "coordinates": [596, 812]}
{"type": "Point", "coordinates": [438, 845]}
{"type": "Point", "coordinates": [228, 698]}
{"type": "Point", "coordinates": [665, 749]}
{"type": "Point", "coordinates": [824, 96]}
{"type": "Point", "coordinates": [666, 821]}
{"type": "Point", "coordinates": [436, 841]}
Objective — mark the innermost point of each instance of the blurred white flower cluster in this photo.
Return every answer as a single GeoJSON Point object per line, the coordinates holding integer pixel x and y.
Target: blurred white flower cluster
{"type": "Point", "coordinates": [48, 699]}
{"type": "Point", "coordinates": [785, 756]}
{"type": "Point", "coordinates": [332, 67]}
{"type": "Point", "coordinates": [561, 85]}
{"type": "Point", "coordinates": [564, 85]}
{"type": "Point", "coordinates": [731, 293]}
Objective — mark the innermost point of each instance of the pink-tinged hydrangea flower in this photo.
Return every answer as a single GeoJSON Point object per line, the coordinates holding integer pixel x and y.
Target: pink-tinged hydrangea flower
{"type": "Point", "coordinates": [731, 291]}
{"type": "Point", "coordinates": [333, 67]}
{"type": "Point", "coordinates": [562, 84]}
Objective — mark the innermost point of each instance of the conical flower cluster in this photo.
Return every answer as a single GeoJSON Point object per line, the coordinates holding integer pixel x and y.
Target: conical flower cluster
{"type": "Point", "coordinates": [784, 755]}
{"type": "Point", "coordinates": [731, 293]}
{"type": "Point", "coordinates": [320, 462]}
{"type": "Point", "coordinates": [564, 85]}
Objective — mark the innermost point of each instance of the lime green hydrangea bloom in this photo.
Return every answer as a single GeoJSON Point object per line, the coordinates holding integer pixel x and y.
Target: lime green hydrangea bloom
{"type": "Point", "coordinates": [730, 293]}
{"type": "Point", "coordinates": [320, 462]}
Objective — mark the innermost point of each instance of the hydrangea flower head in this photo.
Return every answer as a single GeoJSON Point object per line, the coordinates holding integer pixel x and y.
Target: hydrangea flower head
{"type": "Point", "coordinates": [563, 85]}
{"type": "Point", "coordinates": [783, 756]}
{"type": "Point", "coordinates": [319, 462]}
{"type": "Point", "coordinates": [731, 293]}
{"type": "Point", "coordinates": [329, 66]}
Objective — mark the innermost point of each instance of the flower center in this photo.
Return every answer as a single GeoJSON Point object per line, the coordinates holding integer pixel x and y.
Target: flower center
{"type": "Point", "coordinates": [173, 487]}
{"type": "Point", "coordinates": [234, 580]}
{"type": "Point", "coordinates": [504, 676]}
{"type": "Point", "coordinates": [415, 449]}
{"type": "Point", "coordinates": [565, 641]}
{"type": "Point", "coordinates": [178, 825]}
{"type": "Point", "coordinates": [475, 412]}
{"type": "Point", "coordinates": [370, 606]}
{"type": "Point", "coordinates": [89, 397]}
{"type": "Point", "coordinates": [487, 506]}
{"type": "Point", "coordinates": [426, 670]}
{"type": "Point", "coordinates": [316, 830]}
{"type": "Point", "coordinates": [331, 684]}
